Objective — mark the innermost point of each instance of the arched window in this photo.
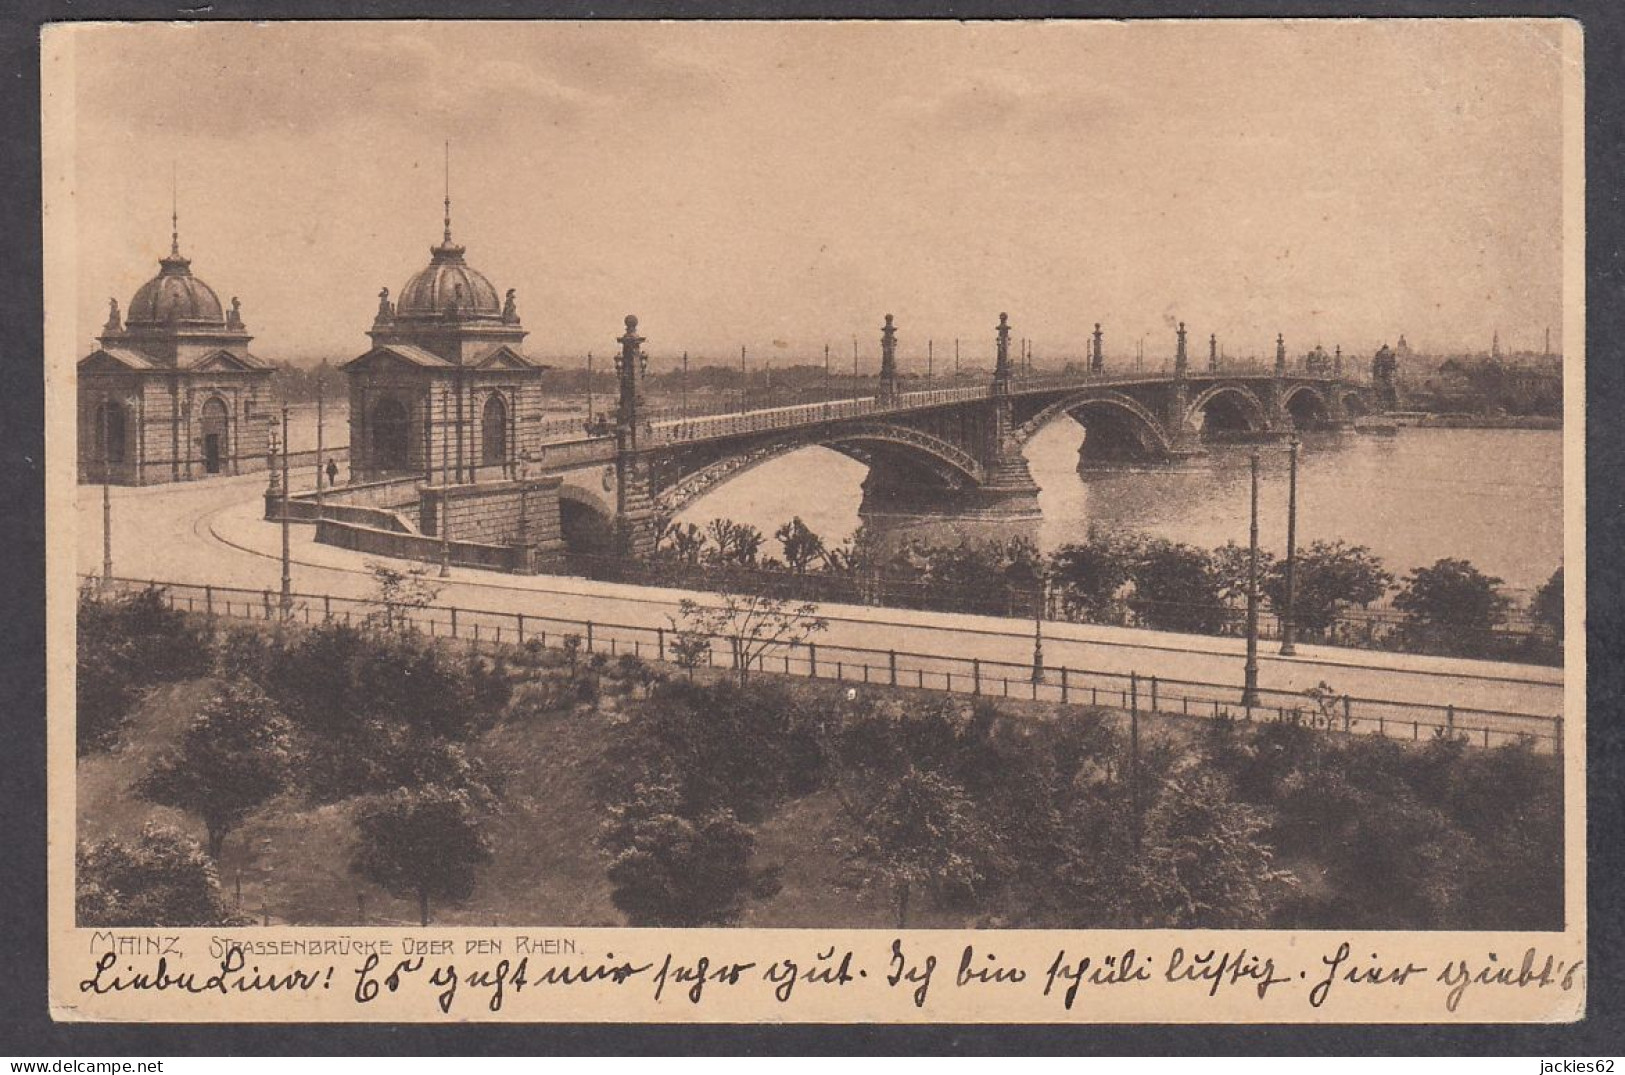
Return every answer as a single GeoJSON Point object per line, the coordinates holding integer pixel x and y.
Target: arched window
{"type": "Point", "coordinates": [111, 432]}
{"type": "Point", "coordinates": [494, 431]}
{"type": "Point", "coordinates": [390, 435]}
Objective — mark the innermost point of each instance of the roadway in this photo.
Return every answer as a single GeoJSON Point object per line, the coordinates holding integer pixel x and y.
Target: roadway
{"type": "Point", "coordinates": [211, 532]}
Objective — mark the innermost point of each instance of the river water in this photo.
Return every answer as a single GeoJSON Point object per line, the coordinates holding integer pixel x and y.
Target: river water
{"type": "Point", "coordinates": [1492, 497]}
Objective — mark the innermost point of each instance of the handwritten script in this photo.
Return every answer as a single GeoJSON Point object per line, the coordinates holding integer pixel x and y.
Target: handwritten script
{"type": "Point", "coordinates": [494, 975]}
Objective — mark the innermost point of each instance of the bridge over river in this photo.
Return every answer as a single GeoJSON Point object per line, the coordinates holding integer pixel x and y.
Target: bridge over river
{"type": "Point", "coordinates": [951, 450]}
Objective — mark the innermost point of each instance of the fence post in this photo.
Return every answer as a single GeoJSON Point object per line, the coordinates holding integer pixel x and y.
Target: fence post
{"type": "Point", "coordinates": [208, 601]}
{"type": "Point", "coordinates": [1065, 688]}
{"type": "Point", "coordinates": [660, 642]}
{"type": "Point", "coordinates": [520, 625]}
{"type": "Point", "coordinates": [891, 661]}
{"type": "Point", "coordinates": [454, 621]}
{"type": "Point", "coordinates": [327, 607]}
{"type": "Point", "coordinates": [589, 636]}
{"type": "Point", "coordinates": [812, 660]}
{"type": "Point", "coordinates": [1348, 715]}
{"type": "Point", "coordinates": [1154, 694]}
{"type": "Point", "coordinates": [976, 675]}
{"type": "Point", "coordinates": [1450, 719]}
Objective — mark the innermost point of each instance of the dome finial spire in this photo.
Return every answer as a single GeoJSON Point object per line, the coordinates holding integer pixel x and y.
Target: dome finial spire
{"type": "Point", "coordinates": [448, 192]}
{"type": "Point", "coordinates": [174, 211]}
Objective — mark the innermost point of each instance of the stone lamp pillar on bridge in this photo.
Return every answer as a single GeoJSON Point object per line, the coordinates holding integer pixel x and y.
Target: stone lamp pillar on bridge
{"type": "Point", "coordinates": [1180, 439]}
{"type": "Point", "coordinates": [634, 508]}
{"type": "Point", "coordinates": [1213, 353]}
{"type": "Point", "coordinates": [1275, 404]}
{"type": "Point", "coordinates": [1009, 490]}
{"type": "Point", "coordinates": [888, 363]}
{"type": "Point", "coordinates": [1097, 357]}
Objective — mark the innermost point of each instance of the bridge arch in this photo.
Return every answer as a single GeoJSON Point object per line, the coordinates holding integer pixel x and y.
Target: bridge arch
{"type": "Point", "coordinates": [1306, 406]}
{"type": "Point", "coordinates": [586, 521]}
{"type": "Point", "coordinates": [902, 453]}
{"type": "Point", "coordinates": [1227, 407]}
{"type": "Point", "coordinates": [1119, 425]}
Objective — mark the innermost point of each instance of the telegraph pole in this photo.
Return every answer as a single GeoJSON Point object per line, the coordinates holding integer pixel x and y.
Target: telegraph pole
{"type": "Point", "coordinates": [1289, 626]}
{"type": "Point", "coordinates": [1249, 690]}
{"type": "Point", "coordinates": [287, 573]}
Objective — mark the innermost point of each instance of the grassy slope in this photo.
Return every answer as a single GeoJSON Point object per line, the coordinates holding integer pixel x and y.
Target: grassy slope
{"type": "Point", "coordinates": [291, 859]}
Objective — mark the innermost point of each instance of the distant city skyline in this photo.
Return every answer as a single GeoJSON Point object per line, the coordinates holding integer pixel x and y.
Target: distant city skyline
{"type": "Point", "coordinates": [780, 186]}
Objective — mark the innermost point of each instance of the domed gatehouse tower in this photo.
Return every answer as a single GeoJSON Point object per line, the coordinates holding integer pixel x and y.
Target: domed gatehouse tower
{"type": "Point", "coordinates": [444, 392]}
{"type": "Point", "coordinates": [172, 393]}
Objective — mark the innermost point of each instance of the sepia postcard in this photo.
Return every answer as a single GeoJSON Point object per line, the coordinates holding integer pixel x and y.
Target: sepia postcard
{"type": "Point", "coordinates": [844, 522]}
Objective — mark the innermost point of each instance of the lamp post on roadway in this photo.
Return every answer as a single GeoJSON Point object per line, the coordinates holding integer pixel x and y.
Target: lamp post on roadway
{"type": "Point", "coordinates": [1289, 625]}
{"type": "Point", "coordinates": [685, 386]}
{"type": "Point", "coordinates": [1038, 632]}
{"type": "Point", "coordinates": [287, 558]}
{"type": "Point", "coordinates": [321, 394]}
{"type": "Point", "coordinates": [444, 522]}
{"type": "Point", "coordinates": [1249, 689]}
{"type": "Point", "coordinates": [107, 492]}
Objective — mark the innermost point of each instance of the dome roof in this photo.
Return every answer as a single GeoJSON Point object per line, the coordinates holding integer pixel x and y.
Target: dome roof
{"type": "Point", "coordinates": [448, 287]}
{"type": "Point", "coordinates": [175, 295]}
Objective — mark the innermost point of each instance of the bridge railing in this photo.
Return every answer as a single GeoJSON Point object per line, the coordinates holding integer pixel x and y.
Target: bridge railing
{"type": "Point", "coordinates": [1034, 682]}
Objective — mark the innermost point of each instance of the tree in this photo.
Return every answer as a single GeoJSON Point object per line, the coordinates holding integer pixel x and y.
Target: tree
{"type": "Point", "coordinates": [236, 756]}
{"type": "Point", "coordinates": [1090, 576]}
{"type": "Point", "coordinates": [735, 543]}
{"type": "Point", "coordinates": [1330, 574]}
{"type": "Point", "coordinates": [159, 878]}
{"type": "Point", "coordinates": [1177, 589]}
{"type": "Point", "coordinates": [668, 869]}
{"type": "Point", "coordinates": [423, 843]}
{"type": "Point", "coordinates": [686, 542]}
{"type": "Point", "coordinates": [918, 833]}
{"type": "Point", "coordinates": [126, 644]}
{"type": "Point", "coordinates": [1232, 564]}
{"type": "Point", "coordinates": [1449, 598]}
{"type": "Point", "coordinates": [1547, 605]}
{"type": "Point", "coordinates": [801, 546]}
{"type": "Point", "coordinates": [399, 594]}
{"type": "Point", "coordinates": [754, 624]}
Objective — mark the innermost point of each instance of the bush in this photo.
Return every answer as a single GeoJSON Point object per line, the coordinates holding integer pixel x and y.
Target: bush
{"type": "Point", "coordinates": [671, 867]}
{"type": "Point", "coordinates": [1176, 588]}
{"type": "Point", "coordinates": [1330, 575]}
{"type": "Point", "coordinates": [1451, 606]}
{"type": "Point", "coordinates": [160, 878]}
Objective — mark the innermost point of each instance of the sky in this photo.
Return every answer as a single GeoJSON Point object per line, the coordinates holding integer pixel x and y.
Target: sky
{"type": "Point", "coordinates": [781, 186]}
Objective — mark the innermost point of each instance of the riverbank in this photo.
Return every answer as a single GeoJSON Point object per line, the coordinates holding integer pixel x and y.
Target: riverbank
{"type": "Point", "coordinates": [1479, 421]}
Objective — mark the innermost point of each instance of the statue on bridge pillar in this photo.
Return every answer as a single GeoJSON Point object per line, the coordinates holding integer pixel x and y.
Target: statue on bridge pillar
{"type": "Point", "coordinates": [1280, 355]}
{"type": "Point", "coordinates": [1213, 353]}
{"type": "Point", "coordinates": [1180, 359]}
{"type": "Point", "coordinates": [888, 361]}
{"type": "Point", "coordinates": [1097, 358]}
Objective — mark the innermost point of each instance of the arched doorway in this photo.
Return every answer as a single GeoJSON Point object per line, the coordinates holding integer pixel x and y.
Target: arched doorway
{"type": "Point", "coordinates": [111, 432]}
{"type": "Point", "coordinates": [216, 435]}
{"type": "Point", "coordinates": [494, 431]}
{"type": "Point", "coordinates": [390, 435]}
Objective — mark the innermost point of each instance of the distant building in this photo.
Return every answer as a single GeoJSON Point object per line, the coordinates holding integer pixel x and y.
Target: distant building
{"type": "Point", "coordinates": [172, 392]}
{"type": "Point", "coordinates": [1318, 362]}
{"type": "Point", "coordinates": [446, 388]}
{"type": "Point", "coordinates": [1385, 377]}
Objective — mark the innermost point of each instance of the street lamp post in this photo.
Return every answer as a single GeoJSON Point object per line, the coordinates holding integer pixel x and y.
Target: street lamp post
{"type": "Point", "coordinates": [444, 522]}
{"type": "Point", "coordinates": [685, 386]}
{"type": "Point", "coordinates": [107, 492]}
{"type": "Point", "coordinates": [1289, 624]}
{"type": "Point", "coordinates": [1038, 633]}
{"type": "Point", "coordinates": [589, 395]}
{"type": "Point", "coordinates": [828, 394]}
{"type": "Point", "coordinates": [744, 378]}
{"type": "Point", "coordinates": [321, 394]}
{"type": "Point", "coordinates": [855, 386]}
{"type": "Point", "coordinates": [930, 360]}
{"type": "Point", "coordinates": [287, 557]}
{"type": "Point", "coordinates": [1249, 689]}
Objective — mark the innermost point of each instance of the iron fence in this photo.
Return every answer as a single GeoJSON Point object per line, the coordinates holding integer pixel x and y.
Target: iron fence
{"type": "Point", "coordinates": [891, 668]}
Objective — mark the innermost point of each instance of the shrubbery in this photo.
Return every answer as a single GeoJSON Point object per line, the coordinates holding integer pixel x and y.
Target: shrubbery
{"type": "Point", "coordinates": [127, 644]}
